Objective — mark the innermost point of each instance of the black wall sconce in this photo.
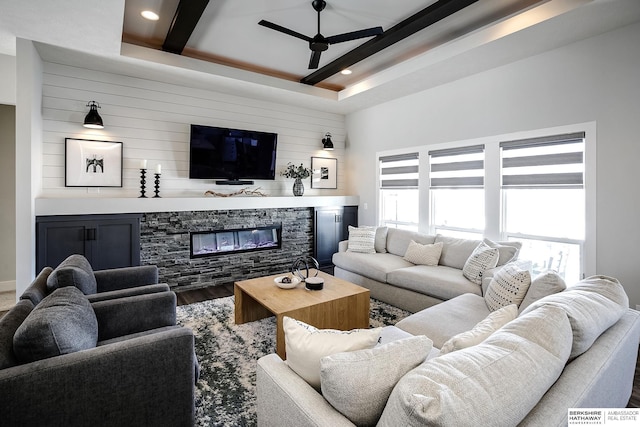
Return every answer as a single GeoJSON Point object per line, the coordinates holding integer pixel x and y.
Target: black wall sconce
{"type": "Point", "coordinates": [327, 143]}
{"type": "Point", "coordinates": [93, 119]}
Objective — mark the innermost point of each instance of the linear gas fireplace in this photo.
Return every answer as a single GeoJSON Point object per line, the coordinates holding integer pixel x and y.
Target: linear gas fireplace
{"type": "Point", "coordinates": [219, 242]}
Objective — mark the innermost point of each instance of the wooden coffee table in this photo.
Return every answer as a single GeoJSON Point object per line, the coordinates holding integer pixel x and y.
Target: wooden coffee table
{"type": "Point", "coordinates": [339, 305]}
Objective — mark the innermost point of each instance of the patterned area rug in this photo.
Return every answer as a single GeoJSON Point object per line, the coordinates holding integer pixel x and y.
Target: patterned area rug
{"type": "Point", "coordinates": [225, 393]}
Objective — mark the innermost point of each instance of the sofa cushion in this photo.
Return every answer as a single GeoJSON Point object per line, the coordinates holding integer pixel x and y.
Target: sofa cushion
{"type": "Point", "coordinates": [497, 382]}
{"type": "Point", "coordinates": [398, 240]}
{"type": "Point", "coordinates": [380, 244]}
{"type": "Point", "coordinates": [508, 286]}
{"type": "Point", "coordinates": [481, 259]}
{"type": "Point", "coordinates": [62, 323]}
{"type": "Point", "coordinates": [423, 254]}
{"type": "Point", "coordinates": [305, 345]}
{"type": "Point", "coordinates": [358, 383]}
{"type": "Point", "coordinates": [593, 305]}
{"type": "Point", "coordinates": [73, 271]}
{"type": "Point", "coordinates": [455, 252]}
{"type": "Point", "coordinates": [546, 283]}
{"type": "Point", "coordinates": [9, 323]}
{"type": "Point", "coordinates": [508, 250]}
{"type": "Point", "coordinates": [482, 330]}
{"type": "Point", "coordinates": [462, 313]}
{"type": "Point", "coordinates": [438, 281]}
{"type": "Point", "coordinates": [362, 240]}
{"type": "Point", "coordinates": [373, 266]}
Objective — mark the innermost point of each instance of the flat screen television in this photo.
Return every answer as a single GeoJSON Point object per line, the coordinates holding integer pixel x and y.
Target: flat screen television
{"type": "Point", "coordinates": [231, 154]}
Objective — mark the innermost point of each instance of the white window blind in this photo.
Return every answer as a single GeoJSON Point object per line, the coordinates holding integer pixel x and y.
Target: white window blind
{"type": "Point", "coordinates": [461, 167]}
{"type": "Point", "coordinates": [399, 171]}
{"type": "Point", "coordinates": [548, 162]}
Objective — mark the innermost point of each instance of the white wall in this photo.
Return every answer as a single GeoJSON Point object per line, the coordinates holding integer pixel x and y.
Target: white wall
{"type": "Point", "coordinates": [152, 120]}
{"type": "Point", "coordinates": [8, 80]}
{"type": "Point", "coordinates": [28, 157]}
{"type": "Point", "coordinates": [7, 194]}
{"type": "Point", "coordinates": [592, 80]}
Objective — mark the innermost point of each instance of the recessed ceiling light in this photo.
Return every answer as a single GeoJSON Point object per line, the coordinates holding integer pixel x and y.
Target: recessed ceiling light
{"type": "Point", "coordinates": [346, 72]}
{"type": "Point", "coordinates": [151, 16]}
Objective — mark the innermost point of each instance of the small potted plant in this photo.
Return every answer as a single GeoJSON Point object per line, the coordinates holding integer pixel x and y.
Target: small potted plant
{"type": "Point", "coordinates": [298, 173]}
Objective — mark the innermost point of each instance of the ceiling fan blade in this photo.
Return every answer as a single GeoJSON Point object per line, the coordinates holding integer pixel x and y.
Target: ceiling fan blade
{"type": "Point", "coordinates": [345, 37]}
{"type": "Point", "coordinates": [284, 30]}
{"type": "Point", "coordinates": [314, 60]}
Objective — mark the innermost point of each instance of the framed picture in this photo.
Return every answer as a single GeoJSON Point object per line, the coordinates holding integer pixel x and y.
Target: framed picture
{"type": "Point", "coordinates": [90, 163]}
{"type": "Point", "coordinates": [324, 172]}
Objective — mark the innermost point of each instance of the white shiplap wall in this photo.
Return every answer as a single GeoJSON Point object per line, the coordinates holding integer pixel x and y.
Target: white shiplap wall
{"type": "Point", "coordinates": [152, 120]}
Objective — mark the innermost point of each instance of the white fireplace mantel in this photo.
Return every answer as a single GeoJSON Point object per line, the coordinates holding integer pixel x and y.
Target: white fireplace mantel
{"type": "Point", "coordinates": [104, 205]}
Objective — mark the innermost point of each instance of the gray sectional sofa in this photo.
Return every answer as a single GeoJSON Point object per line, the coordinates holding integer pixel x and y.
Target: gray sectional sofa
{"type": "Point", "coordinates": [396, 281]}
{"type": "Point", "coordinates": [575, 348]}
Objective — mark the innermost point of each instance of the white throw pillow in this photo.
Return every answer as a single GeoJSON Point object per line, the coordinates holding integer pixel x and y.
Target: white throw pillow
{"type": "Point", "coordinates": [305, 345]}
{"type": "Point", "coordinates": [508, 251]}
{"type": "Point", "coordinates": [546, 283]}
{"type": "Point", "coordinates": [423, 254]}
{"type": "Point", "coordinates": [482, 259]}
{"type": "Point", "coordinates": [482, 330]}
{"type": "Point", "coordinates": [380, 244]}
{"type": "Point", "coordinates": [508, 286]}
{"type": "Point", "coordinates": [358, 383]}
{"type": "Point", "coordinates": [362, 240]}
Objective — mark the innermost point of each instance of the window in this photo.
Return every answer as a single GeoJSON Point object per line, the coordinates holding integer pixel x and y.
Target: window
{"type": "Point", "coordinates": [399, 207]}
{"type": "Point", "coordinates": [536, 187]}
{"type": "Point", "coordinates": [543, 200]}
{"type": "Point", "coordinates": [457, 191]}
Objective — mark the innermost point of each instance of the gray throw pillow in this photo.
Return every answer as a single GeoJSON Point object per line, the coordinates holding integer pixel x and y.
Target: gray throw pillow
{"type": "Point", "coordinates": [73, 271]}
{"type": "Point", "coordinates": [64, 322]}
{"type": "Point", "coordinates": [9, 323]}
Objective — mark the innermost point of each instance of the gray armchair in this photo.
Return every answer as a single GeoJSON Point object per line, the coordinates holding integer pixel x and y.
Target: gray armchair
{"type": "Point", "coordinates": [97, 285]}
{"type": "Point", "coordinates": [140, 371]}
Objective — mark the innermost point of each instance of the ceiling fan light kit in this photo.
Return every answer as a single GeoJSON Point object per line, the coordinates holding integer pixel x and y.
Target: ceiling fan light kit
{"type": "Point", "coordinates": [320, 43]}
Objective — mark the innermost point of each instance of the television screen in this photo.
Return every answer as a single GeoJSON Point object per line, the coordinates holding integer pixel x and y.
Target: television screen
{"type": "Point", "coordinates": [233, 154]}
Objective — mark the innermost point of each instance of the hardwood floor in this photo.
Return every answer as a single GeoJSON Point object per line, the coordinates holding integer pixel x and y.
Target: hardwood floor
{"type": "Point", "coordinates": [203, 294]}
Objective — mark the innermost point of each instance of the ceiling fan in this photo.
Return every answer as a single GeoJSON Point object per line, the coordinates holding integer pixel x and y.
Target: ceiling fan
{"type": "Point", "coordinates": [320, 43]}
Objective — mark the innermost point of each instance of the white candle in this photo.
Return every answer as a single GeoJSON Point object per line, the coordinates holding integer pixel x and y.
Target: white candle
{"type": "Point", "coordinates": [158, 168]}
{"type": "Point", "coordinates": [143, 164]}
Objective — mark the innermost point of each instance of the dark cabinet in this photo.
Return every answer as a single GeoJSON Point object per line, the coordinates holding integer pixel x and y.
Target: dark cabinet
{"type": "Point", "coordinates": [107, 241]}
{"type": "Point", "coordinates": [331, 225]}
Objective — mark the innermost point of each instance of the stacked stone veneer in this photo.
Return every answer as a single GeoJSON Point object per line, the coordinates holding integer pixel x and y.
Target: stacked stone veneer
{"type": "Point", "coordinates": [164, 241]}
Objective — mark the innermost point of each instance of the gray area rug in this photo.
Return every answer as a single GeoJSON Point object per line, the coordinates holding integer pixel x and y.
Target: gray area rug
{"type": "Point", "coordinates": [225, 392]}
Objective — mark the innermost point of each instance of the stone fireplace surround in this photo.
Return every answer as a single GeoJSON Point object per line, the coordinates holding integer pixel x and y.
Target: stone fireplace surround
{"type": "Point", "coordinates": [165, 242]}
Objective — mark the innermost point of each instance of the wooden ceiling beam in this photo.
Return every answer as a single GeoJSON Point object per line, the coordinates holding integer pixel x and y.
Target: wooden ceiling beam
{"type": "Point", "coordinates": [419, 21]}
{"type": "Point", "coordinates": [184, 22]}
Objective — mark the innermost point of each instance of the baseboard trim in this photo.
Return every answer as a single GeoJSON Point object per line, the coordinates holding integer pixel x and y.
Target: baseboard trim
{"type": "Point", "coordinates": [8, 286]}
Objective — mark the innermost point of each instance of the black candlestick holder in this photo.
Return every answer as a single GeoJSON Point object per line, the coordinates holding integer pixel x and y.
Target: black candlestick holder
{"type": "Point", "coordinates": [143, 181]}
{"type": "Point", "coordinates": [157, 185]}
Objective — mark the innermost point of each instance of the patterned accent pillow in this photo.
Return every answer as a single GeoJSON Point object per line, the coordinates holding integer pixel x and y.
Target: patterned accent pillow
{"type": "Point", "coordinates": [508, 286]}
{"type": "Point", "coordinates": [482, 259]}
{"type": "Point", "coordinates": [423, 254]}
{"type": "Point", "coordinates": [483, 329]}
{"type": "Point", "coordinates": [305, 345]}
{"type": "Point", "coordinates": [362, 240]}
